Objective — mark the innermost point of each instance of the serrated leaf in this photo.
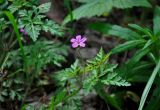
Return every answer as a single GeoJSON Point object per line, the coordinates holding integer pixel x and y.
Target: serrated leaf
{"type": "Point", "coordinates": [114, 79]}
{"type": "Point", "coordinates": [68, 73]}
{"type": "Point", "coordinates": [33, 31]}
{"type": "Point", "coordinates": [12, 94]}
{"type": "Point", "coordinates": [44, 8]}
{"type": "Point", "coordinates": [96, 62]}
{"type": "Point", "coordinates": [30, 24]}
{"type": "Point", "coordinates": [50, 26]}
{"type": "Point", "coordinates": [16, 5]}
{"type": "Point", "coordinates": [97, 7]}
{"type": "Point", "coordinates": [90, 82]}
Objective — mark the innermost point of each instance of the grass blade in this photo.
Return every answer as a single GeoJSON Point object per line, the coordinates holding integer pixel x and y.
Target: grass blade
{"type": "Point", "coordinates": [148, 86]}
{"type": "Point", "coordinates": [15, 27]}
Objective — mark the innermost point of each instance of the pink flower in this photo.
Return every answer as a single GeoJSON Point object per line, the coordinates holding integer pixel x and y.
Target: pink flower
{"type": "Point", "coordinates": [23, 31]}
{"type": "Point", "coordinates": [78, 41]}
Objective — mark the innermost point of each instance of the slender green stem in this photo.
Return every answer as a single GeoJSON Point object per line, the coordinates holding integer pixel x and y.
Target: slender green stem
{"type": "Point", "coordinates": [149, 85]}
{"type": "Point", "coordinates": [15, 27]}
{"type": "Point", "coordinates": [28, 88]}
{"type": "Point", "coordinates": [6, 58]}
{"type": "Point", "coordinates": [81, 58]}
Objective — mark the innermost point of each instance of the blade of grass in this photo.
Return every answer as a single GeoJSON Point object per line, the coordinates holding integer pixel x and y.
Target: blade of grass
{"type": "Point", "coordinates": [15, 27]}
{"type": "Point", "coordinates": [148, 86]}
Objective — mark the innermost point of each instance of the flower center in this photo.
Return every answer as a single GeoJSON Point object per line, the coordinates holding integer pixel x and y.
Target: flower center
{"type": "Point", "coordinates": [78, 41]}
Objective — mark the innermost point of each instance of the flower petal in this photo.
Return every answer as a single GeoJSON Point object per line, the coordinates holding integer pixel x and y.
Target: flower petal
{"type": "Point", "coordinates": [78, 37]}
{"type": "Point", "coordinates": [83, 39]}
{"type": "Point", "coordinates": [75, 45]}
{"type": "Point", "coordinates": [22, 30]}
{"type": "Point", "coordinates": [73, 40]}
{"type": "Point", "coordinates": [82, 44]}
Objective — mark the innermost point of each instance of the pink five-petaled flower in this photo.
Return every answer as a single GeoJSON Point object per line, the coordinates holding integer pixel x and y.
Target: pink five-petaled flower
{"type": "Point", "coordinates": [78, 41]}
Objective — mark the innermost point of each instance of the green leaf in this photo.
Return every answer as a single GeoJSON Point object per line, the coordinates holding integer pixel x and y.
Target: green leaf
{"type": "Point", "coordinates": [29, 23]}
{"type": "Point", "coordinates": [68, 73]}
{"type": "Point", "coordinates": [155, 99]}
{"type": "Point", "coordinates": [96, 62]}
{"type": "Point", "coordinates": [149, 85]}
{"type": "Point", "coordinates": [110, 99]}
{"type": "Point", "coordinates": [44, 8]}
{"type": "Point", "coordinates": [85, 1]}
{"type": "Point", "coordinates": [90, 82]}
{"type": "Point", "coordinates": [115, 30]}
{"type": "Point", "coordinates": [51, 53]}
{"type": "Point", "coordinates": [12, 94]}
{"type": "Point", "coordinates": [33, 22]}
{"type": "Point", "coordinates": [3, 24]}
{"type": "Point", "coordinates": [146, 31]}
{"type": "Point", "coordinates": [143, 65]}
{"type": "Point", "coordinates": [156, 20]}
{"type": "Point", "coordinates": [52, 27]}
{"type": "Point", "coordinates": [15, 27]}
{"type": "Point", "coordinates": [1, 98]}
{"type": "Point", "coordinates": [115, 79]}
{"type": "Point", "coordinates": [148, 43]}
{"type": "Point", "coordinates": [4, 92]}
{"type": "Point", "coordinates": [128, 45]}
{"type": "Point", "coordinates": [60, 96]}
{"type": "Point", "coordinates": [16, 5]}
{"type": "Point", "coordinates": [97, 7]}
{"type": "Point", "coordinates": [52, 103]}
{"type": "Point", "coordinates": [130, 3]}
{"type": "Point", "coordinates": [137, 56]}
{"type": "Point", "coordinates": [154, 102]}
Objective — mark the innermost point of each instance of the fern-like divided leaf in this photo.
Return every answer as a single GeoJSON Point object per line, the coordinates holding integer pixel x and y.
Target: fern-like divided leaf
{"type": "Point", "coordinates": [115, 79]}
{"type": "Point", "coordinates": [96, 62]}
{"type": "Point", "coordinates": [50, 53]}
{"type": "Point", "coordinates": [68, 73]}
{"type": "Point", "coordinates": [44, 8]}
{"type": "Point", "coordinates": [36, 56]}
{"type": "Point", "coordinates": [99, 7]}
{"type": "Point", "coordinates": [34, 21]}
{"type": "Point", "coordinates": [52, 27]}
{"type": "Point", "coordinates": [90, 81]}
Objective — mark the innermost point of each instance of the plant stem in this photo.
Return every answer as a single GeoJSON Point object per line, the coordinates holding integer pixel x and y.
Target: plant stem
{"type": "Point", "coordinates": [148, 86]}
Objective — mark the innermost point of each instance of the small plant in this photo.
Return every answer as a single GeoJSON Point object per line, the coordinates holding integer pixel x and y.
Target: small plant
{"type": "Point", "coordinates": [22, 60]}
{"type": "Point", "coordinates": [40, 70]}
{"type": "Point", "coordinates": [88, 78]}
{"type": "Point", "coordinates": [146, 61]}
